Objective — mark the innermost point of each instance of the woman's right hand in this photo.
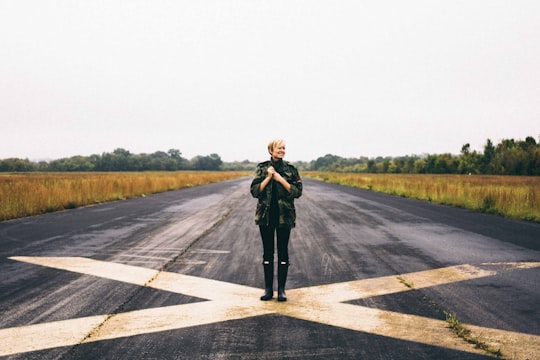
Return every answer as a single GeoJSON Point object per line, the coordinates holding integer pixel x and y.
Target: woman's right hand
{"type": "Point", "coordinates": [271, 171]}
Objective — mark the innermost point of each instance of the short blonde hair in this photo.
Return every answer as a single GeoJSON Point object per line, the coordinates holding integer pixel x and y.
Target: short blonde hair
{"type": "Point", "coordinates": [274, 144]}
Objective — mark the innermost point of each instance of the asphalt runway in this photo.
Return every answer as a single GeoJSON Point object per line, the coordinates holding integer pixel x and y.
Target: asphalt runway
{"type": "Point", "coordinates": [178, 275]}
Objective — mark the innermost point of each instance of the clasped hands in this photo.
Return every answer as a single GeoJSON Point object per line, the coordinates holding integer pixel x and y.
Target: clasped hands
{"type": "Point", "coordinates": [273, 173]}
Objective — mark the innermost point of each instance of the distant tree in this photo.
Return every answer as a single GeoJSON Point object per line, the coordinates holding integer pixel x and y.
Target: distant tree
{"type": "Point", "coordinates": [384, 166]}
{"type": "Point", "coordinates": [408, 165]}
{"type": "Point", "coordinates": [469, 162]}
{"type": "Point", "coordinates": [531, 149]}
{"type": "Point", "coordinates": [328, 162]}
{"type": "Point", "coordinates": [300, 165]}
{"type": "Point", "coordinates": [211, 162]}
{"type": "Point", "coordinates": [179, 162]}
{"type": "Point", "coordinates": [486, 166]}
{"type": "Point", "coordinates": [430, 166]}
{"type": "Point", "coordinates": [371, 168]}
{"type": "Point", "coordinates": [396, 166]}
{"type": "Point", "coordinates": [42, 166]}
{"type": "Point", "coordinates": [74, 163]}
{"type": "Point", "coordinates": [507, 158]}
{"type": "Point", "coordinates": [160, 161]}
{"type": "Point", "coordinates": [115, 161]}
{"type": "Point", "coordinates": [245, 165]}
{"type": "Point", "coordinates": [419, 166]}
{"type": "Point", "coordinates": [537, 162]}
{"type": "Point", "coordinates": [16, 165]}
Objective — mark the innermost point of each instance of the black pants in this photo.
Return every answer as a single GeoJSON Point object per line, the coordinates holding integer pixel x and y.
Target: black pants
{"type": "Point", "coordinates": [282, 234]}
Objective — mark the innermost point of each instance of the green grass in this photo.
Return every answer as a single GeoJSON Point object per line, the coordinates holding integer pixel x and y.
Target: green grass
{"type": "Point", "coordinates": [516, 197]}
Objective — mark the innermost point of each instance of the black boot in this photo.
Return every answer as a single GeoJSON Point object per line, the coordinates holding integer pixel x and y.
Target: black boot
{"type": "Point", "coordinates": [268, 280]}
{"type": "Point", "coordinates": [283, 269]}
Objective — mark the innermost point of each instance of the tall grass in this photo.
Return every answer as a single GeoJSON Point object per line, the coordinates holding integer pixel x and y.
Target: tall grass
{"type": "Point", "coordinates": [516, 197]}
{"type": "Point", "coordinates": [36, 193]}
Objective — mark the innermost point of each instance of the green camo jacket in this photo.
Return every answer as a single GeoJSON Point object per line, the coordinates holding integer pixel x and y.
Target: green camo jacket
{"type": "Point", "coordinates": [287, 212]}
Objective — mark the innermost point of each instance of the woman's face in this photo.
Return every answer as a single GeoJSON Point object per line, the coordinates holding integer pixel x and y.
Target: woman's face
{"type": "Point", "coordinates": [278, 152]}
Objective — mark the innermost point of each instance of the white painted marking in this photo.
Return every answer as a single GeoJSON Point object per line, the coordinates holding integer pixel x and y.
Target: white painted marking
{"type": "Point", "coordinates": [141, 256]}
{"type": "Point", "coordinates": [323, 304]}
{"type": "Point", "coordinates": [191, 262]}
{"type": "Point", "coordinates": [47, 335]}
{"type": "Point", "coordinates": [209, 251]}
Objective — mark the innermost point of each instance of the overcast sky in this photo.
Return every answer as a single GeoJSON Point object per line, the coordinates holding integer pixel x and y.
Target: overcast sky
{"type": "Point", "coordinates": [349, 78]}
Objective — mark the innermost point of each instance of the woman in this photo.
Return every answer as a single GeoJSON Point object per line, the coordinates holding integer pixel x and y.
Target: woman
{"type": "Point", "coordinates": [276, 184]}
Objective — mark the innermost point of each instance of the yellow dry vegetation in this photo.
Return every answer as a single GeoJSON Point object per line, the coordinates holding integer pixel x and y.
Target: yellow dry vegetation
{"type": "Point", "coordinates": [516, 197]}
{"type": "Point", "coordinates": [26, 194]}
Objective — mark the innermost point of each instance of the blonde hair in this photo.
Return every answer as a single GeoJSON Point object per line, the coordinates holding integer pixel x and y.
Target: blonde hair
{"type": "Point", "coordinates": [274, 144]}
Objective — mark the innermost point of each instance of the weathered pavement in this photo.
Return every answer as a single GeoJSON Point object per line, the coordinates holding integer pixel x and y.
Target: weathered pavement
{"type": "Point", "coordinates": [178, 275]}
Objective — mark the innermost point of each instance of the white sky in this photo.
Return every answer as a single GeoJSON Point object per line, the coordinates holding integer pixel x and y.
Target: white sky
{"type": "Point", "coordinates": [349, 78]}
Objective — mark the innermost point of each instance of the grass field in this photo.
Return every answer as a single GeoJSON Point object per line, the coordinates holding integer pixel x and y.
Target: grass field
{"type": "Point", "coordinates": [516, 197]}
{"type": "Point", "coordinates": [26, 194]}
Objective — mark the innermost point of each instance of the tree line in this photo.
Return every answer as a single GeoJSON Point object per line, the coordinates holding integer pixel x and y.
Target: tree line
{"type": "Point", "coordinates": [508, 157]}
{"type": "Point", "coordinates": [118, 160]}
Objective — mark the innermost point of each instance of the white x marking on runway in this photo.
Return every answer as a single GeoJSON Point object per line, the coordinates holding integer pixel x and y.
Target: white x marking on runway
{"type": "Point", "coordinates": [227, 301]}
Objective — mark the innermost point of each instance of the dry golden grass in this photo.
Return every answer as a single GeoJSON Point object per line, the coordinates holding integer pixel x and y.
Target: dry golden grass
{"type": "Point", "coordinates": [36, 193]}
{"type": "Point", "coordinates": [515, 197]}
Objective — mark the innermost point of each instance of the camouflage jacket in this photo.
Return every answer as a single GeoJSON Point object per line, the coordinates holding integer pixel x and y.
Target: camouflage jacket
{"type": "Point", "coordinates": [287, 212]}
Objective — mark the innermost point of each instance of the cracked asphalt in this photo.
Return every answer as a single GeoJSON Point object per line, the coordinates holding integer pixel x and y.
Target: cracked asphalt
{"type": "Point", "coordinates": [371, 277]}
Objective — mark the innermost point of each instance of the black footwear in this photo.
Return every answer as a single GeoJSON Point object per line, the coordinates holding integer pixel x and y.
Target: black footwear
{"type": "Point", "coordinates": [283, 269]}
{"type": "Point", "coordinates": [268, 294]}
{"type": "Point", "coordinates": [268, 280]}
{"type": "Point", "coordinates": [281, 295]}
